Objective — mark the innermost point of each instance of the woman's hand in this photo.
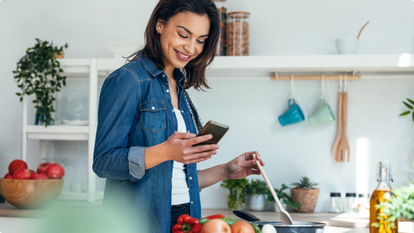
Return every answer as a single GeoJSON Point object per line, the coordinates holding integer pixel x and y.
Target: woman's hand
{"type": "Point", "coordinates": [179, 147]}
{"type": "Point", "coordinates": [243, 166]}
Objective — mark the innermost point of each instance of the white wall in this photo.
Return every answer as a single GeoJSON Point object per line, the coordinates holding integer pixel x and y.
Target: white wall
{"type": "Point", "coordinates": [251, 109]}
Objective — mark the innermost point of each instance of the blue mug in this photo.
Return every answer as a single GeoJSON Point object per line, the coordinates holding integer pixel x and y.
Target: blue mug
{"type": "Point", "coordinates": [293, 115]}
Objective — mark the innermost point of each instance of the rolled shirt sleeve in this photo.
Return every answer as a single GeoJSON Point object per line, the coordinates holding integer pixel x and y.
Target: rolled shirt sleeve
{"type": "Point", "coordinates": [117, 111]}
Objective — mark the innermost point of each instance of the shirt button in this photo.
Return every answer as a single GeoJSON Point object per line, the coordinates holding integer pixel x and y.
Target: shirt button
{"type": "Point", "coordinates": [191, 202]}
{"type": "Point", "coordinates": [182, 111]}
{"type": "Point", "coordinates": [163, 75]}
{"type": "Point", "coordinates": [153, 108]}
{"type": "Point", "coordinates": [191, 177]}
{"type": "Point", "coordinates": [168, 90]}
{"type": "Point", "coordinates": [173, 110]}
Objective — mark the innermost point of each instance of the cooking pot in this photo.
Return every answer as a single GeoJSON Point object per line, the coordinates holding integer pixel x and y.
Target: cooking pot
{"type": "Point", "coordinates": [297, 227]}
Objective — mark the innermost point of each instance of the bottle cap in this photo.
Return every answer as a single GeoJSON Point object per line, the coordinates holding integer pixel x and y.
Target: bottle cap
{"type": "Point", "coordinates": [335, 194]}
{"type": "Point", "coordinates": [361, 195]}
{"type": "Point", "coordinates": [350, 195]}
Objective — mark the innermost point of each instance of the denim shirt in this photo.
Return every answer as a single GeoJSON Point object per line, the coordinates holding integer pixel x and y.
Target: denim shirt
{"type": "Point", "coordinates": [135, 112]}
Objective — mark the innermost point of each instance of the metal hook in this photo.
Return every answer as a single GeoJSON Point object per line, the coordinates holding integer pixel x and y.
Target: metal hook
{"type": "Point", "coordinates": [276, 76]}
{"type": "Point", "coordinates": [292, 88]}
{"type": "Point", "coordinates": [340, 83]}
{"type": "Point", "coordinates": [353, 74]}
{"type": "Point", "coordinates": [323, 87]}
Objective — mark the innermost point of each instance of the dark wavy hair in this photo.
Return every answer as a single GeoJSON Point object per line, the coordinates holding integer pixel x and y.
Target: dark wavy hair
{"type": "Point", "coordinates": [196, 68]}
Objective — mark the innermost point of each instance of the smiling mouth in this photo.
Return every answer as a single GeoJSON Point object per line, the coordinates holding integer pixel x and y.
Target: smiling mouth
{"type": "Point", "coordinates": [182, 56]}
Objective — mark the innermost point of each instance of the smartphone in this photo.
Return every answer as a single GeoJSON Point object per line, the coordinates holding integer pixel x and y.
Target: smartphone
{"type": "Point", "coordinates": [214, 128]}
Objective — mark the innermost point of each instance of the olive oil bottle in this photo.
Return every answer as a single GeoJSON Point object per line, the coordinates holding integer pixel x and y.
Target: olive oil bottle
{"type": "Point", "coordinates": [382, 193]}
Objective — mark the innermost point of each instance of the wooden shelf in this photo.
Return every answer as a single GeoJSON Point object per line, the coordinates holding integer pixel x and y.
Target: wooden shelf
{"type": "Point", "coordinates": [58, 132]}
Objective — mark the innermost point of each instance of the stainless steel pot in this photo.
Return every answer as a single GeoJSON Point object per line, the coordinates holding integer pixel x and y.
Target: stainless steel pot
{"type": "Point", "coordinates": [297, 227]}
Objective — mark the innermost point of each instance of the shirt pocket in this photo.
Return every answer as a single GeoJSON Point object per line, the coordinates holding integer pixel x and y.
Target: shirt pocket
{"type": "Point", "coordinates": [152, 116]}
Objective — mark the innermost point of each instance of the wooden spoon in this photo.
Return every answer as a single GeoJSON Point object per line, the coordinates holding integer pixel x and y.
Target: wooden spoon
{"type": "Point", "coordinates": [343, 147]}
{"type": "Point", "coordinates": [284, 215]}
{"type": "Point", "coordinates": [339, 134]}
{"type": "Point", "coordinates": [362, 29]}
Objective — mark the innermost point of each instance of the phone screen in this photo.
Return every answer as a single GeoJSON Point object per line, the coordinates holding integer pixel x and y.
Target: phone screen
{"type": "Point", "coordinates": [214, 128]}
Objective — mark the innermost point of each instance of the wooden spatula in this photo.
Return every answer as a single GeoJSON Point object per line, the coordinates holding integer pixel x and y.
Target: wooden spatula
{"type": "Point", "coordinates": [339, 134]}
{"type": "Point", "coordinates": [284, 215]}
{"type": "Point", "coordinates": [343, 148]}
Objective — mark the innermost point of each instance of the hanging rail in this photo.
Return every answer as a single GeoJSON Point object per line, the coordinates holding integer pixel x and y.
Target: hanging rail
{"type": "Point", "coordinates": [313, 77]}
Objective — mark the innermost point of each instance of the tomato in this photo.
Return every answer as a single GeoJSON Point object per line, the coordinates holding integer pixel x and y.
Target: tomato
{"type": "Point", "coordinates": [16, 164]}
{"type": "Point", "coordinates": [55, 171]}
{"type": "Point", "coordinates": [42, 167]}
{"type": "Point", "coordinates": [241, 227]}
{"type": "Point", "coordinates": [21, 174]}
{"type": "Point", "coordinates": [216, 226]}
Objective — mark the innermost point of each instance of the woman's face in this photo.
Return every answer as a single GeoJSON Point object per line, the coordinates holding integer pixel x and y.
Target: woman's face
{"type": "Point", "coordinates": [183, 37]}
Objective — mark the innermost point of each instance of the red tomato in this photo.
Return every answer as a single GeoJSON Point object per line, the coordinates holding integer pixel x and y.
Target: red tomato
{"type": "Point", "coordinates": [40, 176]}
{"type": "Point", "coordinates": [55, 171]}
{"type": "Point", "coordinates": [241, 227]}
{"type": "Point", "coordinates": [8, 176]}
{"type": "Point", "coordinates": [42, 167]}
{"type": "Point", "coordinates": [16, 164]}
{"type": "Point", "coordinates": [216, 226]}
{"type": "Point", "coordinates": [21, 174]}
{"type": "Point", "coordinates": [32, 174]}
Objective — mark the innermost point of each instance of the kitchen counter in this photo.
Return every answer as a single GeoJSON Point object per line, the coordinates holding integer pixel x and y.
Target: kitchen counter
{"type": "Point", "coordinates": [336, 223]}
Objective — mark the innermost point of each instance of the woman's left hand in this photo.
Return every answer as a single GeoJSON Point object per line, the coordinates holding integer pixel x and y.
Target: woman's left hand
{"type": "Point", "coordinates": [243, 166]}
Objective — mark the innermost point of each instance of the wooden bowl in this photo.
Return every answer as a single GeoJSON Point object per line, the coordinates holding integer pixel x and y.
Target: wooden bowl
{"type": "Point", "coordinates": [30, 194]}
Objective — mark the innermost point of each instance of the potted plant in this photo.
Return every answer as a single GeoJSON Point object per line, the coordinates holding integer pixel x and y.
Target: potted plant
{"type": "Point", "coordinates": [236, 197]}
{"type": "Point", "coordinates": [256, 189]}
{"type": "Point", "coordinates": [38, 72]}
{"type": "Point", "coordinates": [284, 198]}
{"type": "Point", "coordinates": [306, 193]}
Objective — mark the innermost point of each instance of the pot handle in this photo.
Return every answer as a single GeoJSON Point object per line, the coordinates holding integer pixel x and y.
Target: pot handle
{"type": "Point", "coordinates": [245, 215]}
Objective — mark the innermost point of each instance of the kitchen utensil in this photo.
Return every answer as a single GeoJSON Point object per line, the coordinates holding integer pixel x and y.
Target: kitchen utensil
{"type": "Point", "coordinates": [343, 148]}
{"type": "Point", "coordinates": [293, 115]}
{"type": "Point", "coordinates": [339, 134]}
{"type": "Point", "coordinates": [297, 227]}
{"type": "Point", "coordinates": [284, 215]}
{"type": "Point", "coordinates": [346, 45]}
{"type": "Point", "coordinates": [362, 29]}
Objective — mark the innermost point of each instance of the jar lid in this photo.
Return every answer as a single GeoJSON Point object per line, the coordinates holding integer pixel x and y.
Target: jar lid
{"type": "Point", "coordinates": [335, 194]}
{"type": "Point", "coordinates": [361, 195]}
{"type": "Point", "coordinates": [350, 195]}
{"type": "Point", "coordinates": [239, 14]}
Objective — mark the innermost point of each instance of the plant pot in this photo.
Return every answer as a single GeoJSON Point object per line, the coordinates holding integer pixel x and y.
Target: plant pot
{"type": "Point", "coordinates": [38, 117]}
{"type": "Point", "coordinates": [258, 202]}
{"type": "Point", "coordinates": [61, 56]}
{"type": "Point", "coordinates": [307, 199]}
{"type": "Point", "coordinates": [277, 208]}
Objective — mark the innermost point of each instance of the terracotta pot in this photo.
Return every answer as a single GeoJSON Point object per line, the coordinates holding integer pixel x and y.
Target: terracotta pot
{"type": "Point", "coordinates": [61, 56]}
{"type": "Point", "coordinates": [307, 199]}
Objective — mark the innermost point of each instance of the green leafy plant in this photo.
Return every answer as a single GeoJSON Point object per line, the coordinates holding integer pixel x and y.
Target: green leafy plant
{"type": "Point", "coordinates": [304, 183]}
{"type": "Point", "coordinates": [237, 192]}
{"type": "Point", "coordinates": [283, 197]}
{"type": "Point", "coordinates": [410, 107]}
{"type": "Point", "coordinates": [401, 206]}
{"type": "Point", "coordinates": [256, 187]}
{"type": "Point", "coordinates": [39, 73]}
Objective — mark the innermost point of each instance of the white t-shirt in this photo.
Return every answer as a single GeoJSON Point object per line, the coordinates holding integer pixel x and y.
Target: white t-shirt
{"type": "Point", "coordinates": [180, 192]}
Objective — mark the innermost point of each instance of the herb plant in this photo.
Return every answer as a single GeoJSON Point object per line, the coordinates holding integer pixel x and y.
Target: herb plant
{"type": "Point", "coordinates": [256, 187]}
{"type": "Point", "coordinates": [304, 183]}
{"type": "Point", "coordinates": [283, 197]}
{"type": "Point", "coordinates": [237, 192]}
{"type": "Point", "coordinates": [410, 107]}
{"type": "Point", "coordinates": [39, 73]}
{"type": "Point", "coordinates": [401, 206]}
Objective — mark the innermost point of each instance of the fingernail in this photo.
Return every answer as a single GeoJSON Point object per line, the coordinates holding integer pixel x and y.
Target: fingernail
{"type": "Point", "coordinates": [217, 146]}
{"type": "Point", "coordinates": [210, 136]}
{"type": "Point", "coordinates": [214, 151]}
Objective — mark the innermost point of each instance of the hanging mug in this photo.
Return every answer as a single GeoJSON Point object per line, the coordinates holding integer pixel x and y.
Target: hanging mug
{"type": "Point", "coordinates": [293, 115]}
{"type": "Point", "coordinates": [322, 115]}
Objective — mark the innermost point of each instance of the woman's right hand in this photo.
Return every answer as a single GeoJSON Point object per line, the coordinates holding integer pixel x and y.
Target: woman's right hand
{"type": "Point", "coordinates": [179, 147]}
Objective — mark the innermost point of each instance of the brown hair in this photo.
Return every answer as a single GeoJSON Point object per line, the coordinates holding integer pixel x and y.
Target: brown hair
{"type": "Point", "coordinates": [196, 68]}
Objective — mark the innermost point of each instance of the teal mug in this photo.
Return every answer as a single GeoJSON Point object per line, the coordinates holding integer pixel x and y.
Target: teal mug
{"type": "Point", "coordinates": [322, 115]}
{"type": "Point", "coordinates": [293, 115]}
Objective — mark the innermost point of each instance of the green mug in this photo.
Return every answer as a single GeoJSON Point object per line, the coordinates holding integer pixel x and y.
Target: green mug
{"type": "Point", "coordinates": [322, 115]}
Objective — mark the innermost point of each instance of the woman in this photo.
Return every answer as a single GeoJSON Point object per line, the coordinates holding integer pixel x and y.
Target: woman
{"type": "Point", "coordinates": [147, 122]}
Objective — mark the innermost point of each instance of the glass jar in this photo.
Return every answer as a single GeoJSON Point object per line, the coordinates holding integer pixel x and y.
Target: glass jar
{"type": "Point", "coordinates": [350, 204]}
{"type": "Point", "coordinates": [363, 203]}
{"type": "Point", "coordinates": [335, 203]}
{"type": "Point", "coordinates": [238, 29]}
{"type": "Point", "coordinates": [222, 13]}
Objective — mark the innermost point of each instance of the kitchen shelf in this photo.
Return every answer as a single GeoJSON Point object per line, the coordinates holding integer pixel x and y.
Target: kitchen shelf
{"type": "Point", "coordinates": [59, 132]}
